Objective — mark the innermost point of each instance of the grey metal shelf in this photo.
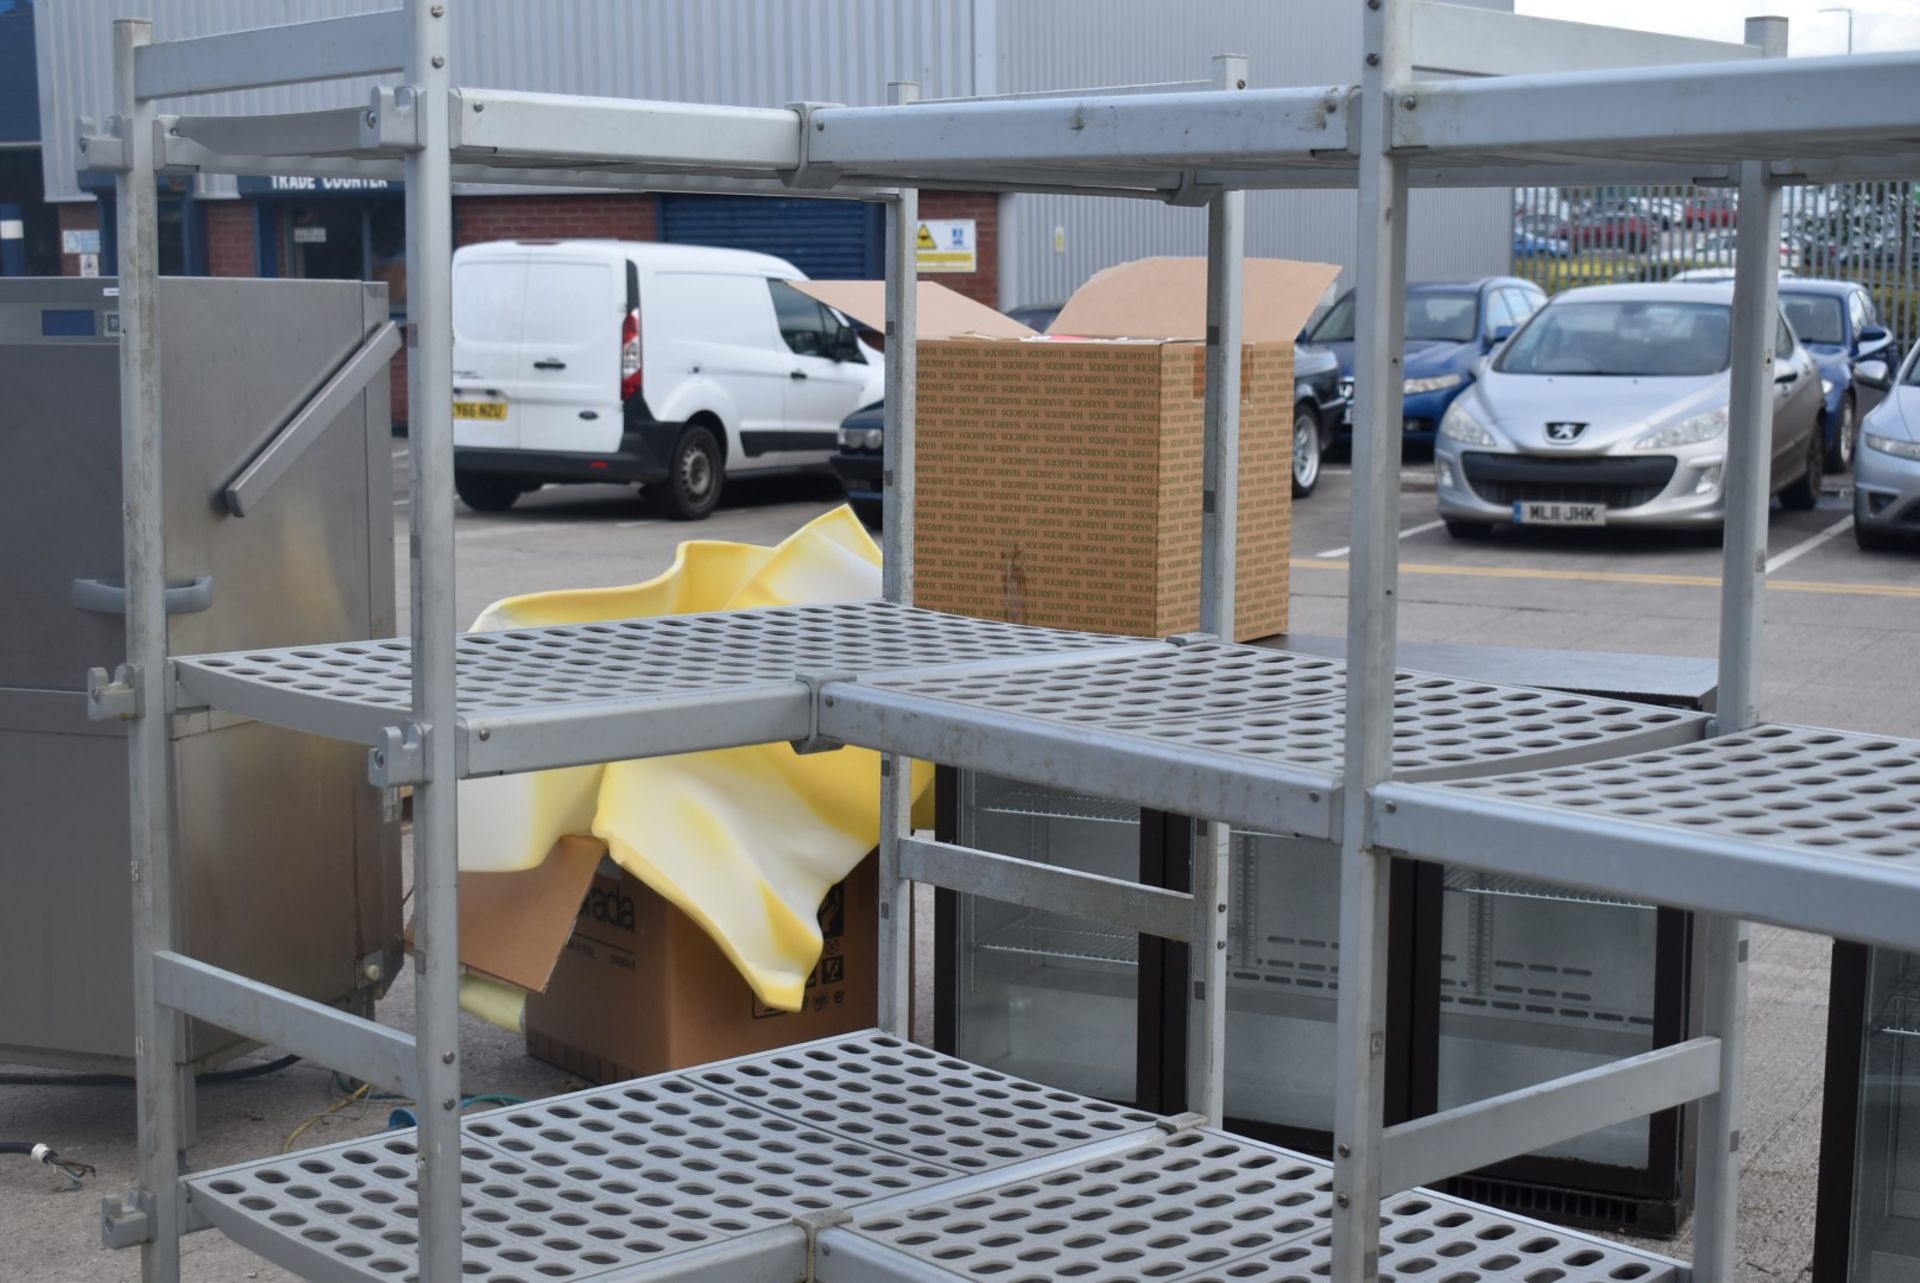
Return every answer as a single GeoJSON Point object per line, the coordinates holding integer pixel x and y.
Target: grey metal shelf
{"type": "Point", "coordinates": [1804, 827]}
{"type": "Point", "coordinates": [533, 698]}
{"type": "Point", "coordinates": [744, 1171]}
{"type": "Point", "coordinates": [1244, 734]}
{"type": "Point", "coordinates": [904, 1163]}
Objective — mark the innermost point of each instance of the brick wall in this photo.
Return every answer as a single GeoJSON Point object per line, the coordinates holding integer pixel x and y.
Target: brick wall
{"type": "Point", "coordinates": [229, 237]}
{"type": "Point", "coordinates": [982, 285]}
{"type": "Point", "coordinates": [505, 218]}
{"type": "Point", "coordinates": [77, 216]}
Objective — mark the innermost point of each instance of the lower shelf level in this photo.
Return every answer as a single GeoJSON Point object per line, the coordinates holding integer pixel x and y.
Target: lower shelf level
{"type": "Point", "coordinates": [868, 1159]}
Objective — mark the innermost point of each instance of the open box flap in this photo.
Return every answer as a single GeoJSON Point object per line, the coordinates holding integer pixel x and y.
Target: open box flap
{"type": "Point", "coordinates": [1166, 298]}
{"type": "Point", "coordinates": [943, 313]}
{"type": "Point", "coordinates": [513, 926]}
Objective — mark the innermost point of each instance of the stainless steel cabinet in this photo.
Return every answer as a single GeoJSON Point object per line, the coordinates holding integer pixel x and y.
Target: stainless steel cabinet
{"type": "Point", "coordinates": [291, 874]}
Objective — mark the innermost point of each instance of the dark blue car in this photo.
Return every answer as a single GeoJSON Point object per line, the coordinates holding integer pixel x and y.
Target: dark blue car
{"type": "Point", "coordinates": [1450, 325]}
{"type": "Point", "coordinates": [1840, 327]}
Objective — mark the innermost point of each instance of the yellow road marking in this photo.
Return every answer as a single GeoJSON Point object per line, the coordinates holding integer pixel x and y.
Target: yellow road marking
{"type": "Point", "coordinates": [1626, 577]}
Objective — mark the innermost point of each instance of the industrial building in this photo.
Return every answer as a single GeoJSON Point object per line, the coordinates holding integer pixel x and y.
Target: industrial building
{"type": "Point", "coordinates": [1026, 248]}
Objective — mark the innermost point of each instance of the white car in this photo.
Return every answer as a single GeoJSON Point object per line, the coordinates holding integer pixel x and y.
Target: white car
{"type": "Point", "coordinates": [675, 367]}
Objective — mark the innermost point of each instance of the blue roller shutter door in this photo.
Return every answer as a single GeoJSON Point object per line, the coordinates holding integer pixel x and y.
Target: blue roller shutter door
{"type": "Point", "coordinates": [826, 239]}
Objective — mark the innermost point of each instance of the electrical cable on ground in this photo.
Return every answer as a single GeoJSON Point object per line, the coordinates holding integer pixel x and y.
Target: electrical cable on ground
{"type": "Point", "coordinates": [73, 1171]}
{"type": "Point", "coordinates": [336, 1107]}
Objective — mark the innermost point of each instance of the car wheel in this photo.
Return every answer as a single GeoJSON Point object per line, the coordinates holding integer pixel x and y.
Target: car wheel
{"type": "Point", "coordinates": [1803, 494]}
{"type": "Point", "coordinates": [1867, 539]}
{"type": "Point", "coordinates": [1306, 450]}
{"type": "Point", "coordinates": [486, 494]}
{"type": "Point", "coordinates": [1840, 453]}
{"type": "Point", "coordinates": [1470, 530]}
{"type": "Point", "coordinates": [694, 475]}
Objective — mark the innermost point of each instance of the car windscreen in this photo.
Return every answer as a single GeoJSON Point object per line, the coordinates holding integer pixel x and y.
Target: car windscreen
{"type": "Point", "coordinates": [1623, 337]}
{"type": "Point", "coordinates": [1815, 318]}
{"type": "Point", "coordinates": [1445, 317]}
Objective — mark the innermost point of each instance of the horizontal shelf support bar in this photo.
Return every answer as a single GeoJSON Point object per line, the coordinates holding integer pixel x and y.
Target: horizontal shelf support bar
{"type": "Point", "coordinates": [365, 44]}
{"type": "Point", "coordinates": [542, 738]}
{"type": "Point", "coordinates": [1461, 41]}
{"type": "Point", "coordinates": [1851, 897]}
{"type": "Point", "coordinates": [336, 130]}
{"type": "Point", "coordinates": [758, 139]}
{"type": "Point", "coordinates": [1270, 797]}
{"type": "Point", "coordinates": [1518, 1122]}
{"type": "Point", "coordinates": [308, 1029]}
{"type": "Point", "coordinates": [1182, 131]}
{"type": "Point", "coordinates": [1147, 910]}
{"type": "Point", "coordinates": [311, 420]}
{"type": "Point", "coordinates": [1785, 103]}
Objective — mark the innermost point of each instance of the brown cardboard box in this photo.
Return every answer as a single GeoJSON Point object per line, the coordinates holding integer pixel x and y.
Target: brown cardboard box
{"type": "Point", "coordinates": [639, 988]}
{"type": "Point", "coordinates": [1059, 481]}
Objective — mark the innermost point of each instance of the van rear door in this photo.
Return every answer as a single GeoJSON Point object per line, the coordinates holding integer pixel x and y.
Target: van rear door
{"type": "Point", "coordinates": [489, 307]}
{"type": "Point", "coordinates": [570, 339]}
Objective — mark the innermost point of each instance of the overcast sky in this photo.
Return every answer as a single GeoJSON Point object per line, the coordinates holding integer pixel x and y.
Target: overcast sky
{"type": "Point", "coordinates": [1878, 25]}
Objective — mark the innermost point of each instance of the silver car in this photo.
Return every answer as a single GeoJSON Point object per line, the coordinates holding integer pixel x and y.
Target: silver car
{"type": "Point", "coordinates": [1886, 467]}
{"type": "Point", "coordinates": [1609, 407]}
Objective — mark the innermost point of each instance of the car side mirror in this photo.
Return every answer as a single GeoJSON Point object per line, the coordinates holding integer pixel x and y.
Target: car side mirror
{"type": "Point", "coordinates": [1872, 338]}
{"type": "Point", "coordinates": [1873, 373]}
{"type": "Point", "coordinates": [1500, 334]}
{"type": "Point", "coordinates": [846, 345]}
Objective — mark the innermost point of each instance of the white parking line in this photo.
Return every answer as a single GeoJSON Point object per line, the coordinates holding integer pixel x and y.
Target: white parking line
{"type": "Point", "coordinates": [1335, 553]}
{"type": "Point", "coordinates": [1806, 546]}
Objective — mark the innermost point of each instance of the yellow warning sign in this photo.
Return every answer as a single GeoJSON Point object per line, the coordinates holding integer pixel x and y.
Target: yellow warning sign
{"type": "Point", "coordinates": [947, 245]}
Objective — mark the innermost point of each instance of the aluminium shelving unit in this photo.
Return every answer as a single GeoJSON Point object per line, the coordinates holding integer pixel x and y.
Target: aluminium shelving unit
{"type": "Point", "coordinates": [866, 1158]}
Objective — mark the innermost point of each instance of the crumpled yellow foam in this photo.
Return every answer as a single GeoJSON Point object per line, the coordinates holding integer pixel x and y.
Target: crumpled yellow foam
{"type": "Point", "coordinates": [746, 841]}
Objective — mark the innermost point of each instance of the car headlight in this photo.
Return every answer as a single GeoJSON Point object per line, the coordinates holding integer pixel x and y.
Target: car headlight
{"type": "Point", "coordinates": [1437, 383]}
{"type": "Point", "coordinates": [1701, 427]}
{"type": "Point", "coordinates": [1895, 446]}
{"type": "Point", "coordinates": [1458, 425]}
{"type": "Point", "coordinates": [1826, 387]}
{"type": "Point", "coordinates": [860, 438]}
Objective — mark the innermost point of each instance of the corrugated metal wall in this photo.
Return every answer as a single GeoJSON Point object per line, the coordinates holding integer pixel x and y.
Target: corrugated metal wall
{"type": "Point", "coordinates": [756, 53]}
{"type": "Point", "coordinates": [1050, 244]}
{"type": "Point", "coordinates": [769, 52]}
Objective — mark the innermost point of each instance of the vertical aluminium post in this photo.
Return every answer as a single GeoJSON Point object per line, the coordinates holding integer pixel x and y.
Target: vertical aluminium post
{"type": "Point", "coordinates": [1749, 454]}
{"type": "Point", "coordinates": [1219, 546]}
{"type": "Point", "coordinates": [430, 430]}
{"type": "Point", "coordinates": [158, 1059]}
{"type": "Point", "coordinates": [1380, 309]}
{"type": "Point", "coordinates": [896, 580]}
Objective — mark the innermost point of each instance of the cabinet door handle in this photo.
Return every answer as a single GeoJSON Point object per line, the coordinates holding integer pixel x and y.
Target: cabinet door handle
{"type": "Point", "coordinates": [189, 598]}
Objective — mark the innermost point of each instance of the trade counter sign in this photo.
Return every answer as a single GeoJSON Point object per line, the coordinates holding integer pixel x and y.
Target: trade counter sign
{"type": "Point", "coordinates": [947, 245]}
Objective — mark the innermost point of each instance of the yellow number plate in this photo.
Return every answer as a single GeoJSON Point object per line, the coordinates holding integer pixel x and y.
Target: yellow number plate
{"type": "Point", "coordinates": [496, 410]}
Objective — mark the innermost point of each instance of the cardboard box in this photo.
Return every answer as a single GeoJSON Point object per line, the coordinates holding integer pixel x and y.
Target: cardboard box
{"type": "Point", "coordinates": [623, 984]}
{"type": "Point", "coordinates": [1059, 478]}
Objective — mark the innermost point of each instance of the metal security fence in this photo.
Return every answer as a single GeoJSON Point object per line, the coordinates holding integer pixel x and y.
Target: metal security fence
{"type": "Point", "coordinates": [1864, 232]}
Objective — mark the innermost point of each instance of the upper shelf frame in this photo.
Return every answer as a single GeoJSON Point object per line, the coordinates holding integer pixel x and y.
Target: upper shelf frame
{"type": "Point", "coordinates": [1649, 109]}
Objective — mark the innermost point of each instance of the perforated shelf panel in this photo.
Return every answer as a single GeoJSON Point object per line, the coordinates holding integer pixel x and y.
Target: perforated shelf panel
{"type": "Point", "coordinates": [965, 1174]}
{"type": "Point", "coordinates": [1245, 734]}
{"type": "Point", "coordinates": [1796, 825]}
{"type": "Point", "coordinates": [1199, 1206]}
{"type": "Point", "coordinates": [538, 697]}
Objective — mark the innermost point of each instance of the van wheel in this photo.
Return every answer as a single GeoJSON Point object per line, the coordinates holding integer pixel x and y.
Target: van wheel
{"type": "Point", "coordinates": [486, 494]}
{"type": "Point", "coordinates": [1804, 494]}
{"type": "Point", "coordinates": [694, 475]}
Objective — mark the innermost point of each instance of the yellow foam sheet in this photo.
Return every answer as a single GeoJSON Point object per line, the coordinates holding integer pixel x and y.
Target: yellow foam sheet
{"type": "Point", "coordinates": [746, 841]}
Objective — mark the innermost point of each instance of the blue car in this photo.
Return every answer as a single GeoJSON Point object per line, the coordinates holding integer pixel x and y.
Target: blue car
{"type": "Point", "coordinates": [1839, 325]}
{"type": "Point", "coordinates": [1450, 326]}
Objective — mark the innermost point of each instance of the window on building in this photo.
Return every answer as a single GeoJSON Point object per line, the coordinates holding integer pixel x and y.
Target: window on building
{"type": "Point", "coordinates": [347, 240]}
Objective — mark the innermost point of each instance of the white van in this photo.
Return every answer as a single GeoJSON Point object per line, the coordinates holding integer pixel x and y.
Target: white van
{"type": "Point", "coordinates": [672, 366]}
